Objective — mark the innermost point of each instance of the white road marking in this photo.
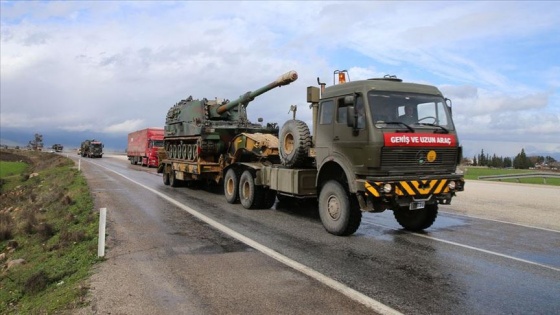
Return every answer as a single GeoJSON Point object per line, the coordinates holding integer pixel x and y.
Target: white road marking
{"type": "Point", "coordinates": [369, 221]}
{"type": "Point", "coordinates": [500, 221]}
{"type": "Point", "coordinates": [347, 291]}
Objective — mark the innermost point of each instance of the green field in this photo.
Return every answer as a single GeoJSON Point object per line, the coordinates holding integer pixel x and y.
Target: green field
{"type": "Point", "coordinates": [11, 168]}
{"type": "Point", "coordinates": [475, 172]}
{"type": "Point", "coordinates": [47, 221]}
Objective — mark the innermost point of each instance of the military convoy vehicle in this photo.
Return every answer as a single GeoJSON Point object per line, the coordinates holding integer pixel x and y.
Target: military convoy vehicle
{"type": "Point", "coordinates": [91, 149]}
{"type": "Point", "coordinates": [57, 147]}
{"type": "Point", "coordinates": [362, 155]}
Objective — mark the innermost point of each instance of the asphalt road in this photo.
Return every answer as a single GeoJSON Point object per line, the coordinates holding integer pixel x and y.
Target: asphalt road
{"type": "Point", "coordinates": [494, 250]}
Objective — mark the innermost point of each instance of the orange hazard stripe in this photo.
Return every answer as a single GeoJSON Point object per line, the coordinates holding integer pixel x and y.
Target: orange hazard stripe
{"type": "Point", "coordinates": [411, 188]}
{"type": "Point", "coordinates": [372, 190]}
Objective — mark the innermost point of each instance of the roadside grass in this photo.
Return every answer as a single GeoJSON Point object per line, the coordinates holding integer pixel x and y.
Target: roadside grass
{"type": "Point", "coordinates": [475, 172]}
{"type": "Point", "coordinates": [11, 168]}
{"type": "Point", "coordinates": [9, 171]}
{"type": "Point", "coordinates": [48, 224]}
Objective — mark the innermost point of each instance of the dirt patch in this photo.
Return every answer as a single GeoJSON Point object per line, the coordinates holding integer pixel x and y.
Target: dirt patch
{"type": "Point", "coordinates": [6, 155]}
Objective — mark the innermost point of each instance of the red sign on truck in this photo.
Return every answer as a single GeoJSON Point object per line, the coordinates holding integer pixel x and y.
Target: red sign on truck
{"type": "Point", "coordinates": [393, 139]}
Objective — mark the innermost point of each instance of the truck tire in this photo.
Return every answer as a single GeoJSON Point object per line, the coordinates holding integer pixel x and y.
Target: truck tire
{"type": "Point", "coordinates": [250, 195]}
{"type": "Point", "coordinates": [173, 182]}
{"type": "Point", "coordinates": [166, 180]}
{"type": "Point", "coordinates": [339, 214]}
{"type": "Point", "coordinates": [231, 186]}
{"type": "Point", "coordinates": [295, 142]}
{"type": "Point", "coordinates": [416, 220]}
{"type": "Point", "coordinates": [269, 198]}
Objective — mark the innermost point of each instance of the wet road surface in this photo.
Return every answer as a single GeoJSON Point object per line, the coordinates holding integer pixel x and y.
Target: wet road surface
{"type": "Point", "coordinates": [462, 264]}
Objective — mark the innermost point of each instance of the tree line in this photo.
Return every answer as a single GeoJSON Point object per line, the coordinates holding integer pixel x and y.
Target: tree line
{"type": "Point", "coordinates": [520, 161]}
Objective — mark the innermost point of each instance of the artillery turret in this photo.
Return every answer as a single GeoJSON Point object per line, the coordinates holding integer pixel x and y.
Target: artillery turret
{"type": "Point", "coordinates": [203, 128]}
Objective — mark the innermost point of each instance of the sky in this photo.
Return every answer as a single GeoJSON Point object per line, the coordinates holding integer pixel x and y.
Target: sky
{"type": "Point", "coordinates": [72, 70]}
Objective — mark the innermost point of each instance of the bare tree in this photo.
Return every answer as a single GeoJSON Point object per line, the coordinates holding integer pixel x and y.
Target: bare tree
{"type": "Point", "coordinates": [37, 143]}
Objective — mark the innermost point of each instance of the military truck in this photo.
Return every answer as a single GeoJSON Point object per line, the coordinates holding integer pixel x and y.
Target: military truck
{"type": "Point", "coordinates": [364, 155]}
{"type": "Point", "coordinates": [57, 147]}
{"type": "Point", "coordinates": [91, 149]}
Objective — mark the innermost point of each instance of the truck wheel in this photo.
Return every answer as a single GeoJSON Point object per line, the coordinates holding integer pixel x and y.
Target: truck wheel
{"type": "Point", "coordinates": [231, 186]}
{"type": "Point", "coordinates": [339, 214]}
{"type": "Point", "coordinates": [247, 190]}
{"type": "Point", "coordinates": [416, 220]}
{"type": "Point", "coordinates": [166, 180]}
{"type": "Point", "coordinates": [295, 141]}
{"type": "Point", "coordinates": [250, 195]}
{"type": "Point", "coordinates": [269, 198]}
{"type": "Point", "coordinates": [173, 182]}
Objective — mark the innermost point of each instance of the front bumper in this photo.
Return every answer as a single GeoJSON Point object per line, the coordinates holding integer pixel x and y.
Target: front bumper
{"type": "Point", "coordinates": [380, 193]}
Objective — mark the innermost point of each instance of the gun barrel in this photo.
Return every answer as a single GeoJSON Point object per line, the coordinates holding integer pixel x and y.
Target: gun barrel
{"type": "Point", "coordinates": [284, 79]}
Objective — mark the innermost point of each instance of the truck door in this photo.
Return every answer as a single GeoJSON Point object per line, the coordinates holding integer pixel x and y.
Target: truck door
{"type": "Point", "coordinates": [324, 137]}
{"type": "Point", "coordinates": [350, 143]}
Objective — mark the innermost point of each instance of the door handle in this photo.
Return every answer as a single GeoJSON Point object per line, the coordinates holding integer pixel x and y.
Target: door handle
{"type": "Point", "coordinates": [336, 138]}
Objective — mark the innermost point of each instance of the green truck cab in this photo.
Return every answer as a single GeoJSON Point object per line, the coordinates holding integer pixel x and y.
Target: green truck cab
{"type": "Point", "coordinates": [367, 145]}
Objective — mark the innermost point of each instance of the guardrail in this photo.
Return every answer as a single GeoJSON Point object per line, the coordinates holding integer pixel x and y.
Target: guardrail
{"type": "Point", "coordinates": [542, 175]}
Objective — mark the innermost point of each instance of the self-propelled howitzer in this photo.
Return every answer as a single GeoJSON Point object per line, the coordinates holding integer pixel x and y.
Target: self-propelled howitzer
{"type": "Point", "coordinates": [202, 129]}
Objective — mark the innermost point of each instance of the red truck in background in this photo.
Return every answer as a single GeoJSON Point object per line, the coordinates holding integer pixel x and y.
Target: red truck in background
{"type": "Point", "coordinates": [143, 146]}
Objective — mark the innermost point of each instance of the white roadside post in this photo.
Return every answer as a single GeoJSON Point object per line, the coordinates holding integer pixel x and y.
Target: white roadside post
{"type": "Point", "coordinates": [102, 220]}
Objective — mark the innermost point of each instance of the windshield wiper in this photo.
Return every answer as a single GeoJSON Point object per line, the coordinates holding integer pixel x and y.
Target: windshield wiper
{"type": "Point", "coordinates": [434, 125]}
{"type": "Point", "coordinates": [398, 123]}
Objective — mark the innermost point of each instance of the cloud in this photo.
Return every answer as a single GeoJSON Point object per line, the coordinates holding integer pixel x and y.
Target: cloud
{"type": "Point", "coordinates": [125, 126]}
{"type": "Point", "coordinates": [116, 66]}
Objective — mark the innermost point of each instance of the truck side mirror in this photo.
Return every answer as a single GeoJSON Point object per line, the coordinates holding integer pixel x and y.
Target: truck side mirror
{"type": "Point", "coordinates": [449, 104]}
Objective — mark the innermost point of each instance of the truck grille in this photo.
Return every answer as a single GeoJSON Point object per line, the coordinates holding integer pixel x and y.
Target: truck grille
{"type": "Point", "coordinates": [408, 160]}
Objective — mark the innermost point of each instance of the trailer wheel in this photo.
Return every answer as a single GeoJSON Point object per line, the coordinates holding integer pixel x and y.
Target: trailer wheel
{"type": "Point", "coordinates": [166, 180]}
{"type": "Point", "coordinates": [416, 220]}
{"type": "Point", "coordinates": [295, 142]}
{"type": "Point", "coordinates": [173, 182]}
{"type": "Point", "coordinates": [269, 198]}
{"type": "Point", "coordinates": [231, 186]}
{"type": "Point", "coordinates": [247, 190]}
{"type": "Point", "coordinates": [339, 214]}
{"type": "Point", "coordinates": [250, 195]}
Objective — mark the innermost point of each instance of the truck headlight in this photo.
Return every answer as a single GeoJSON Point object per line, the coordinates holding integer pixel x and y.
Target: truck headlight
{"type": "Point", "coordinates": [387, 188]}
{"type": "Point", "coordinates": [451, 185]}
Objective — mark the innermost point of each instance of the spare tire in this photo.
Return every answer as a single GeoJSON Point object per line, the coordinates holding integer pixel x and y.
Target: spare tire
{"type": "Point", "coordinates": [295, 142]}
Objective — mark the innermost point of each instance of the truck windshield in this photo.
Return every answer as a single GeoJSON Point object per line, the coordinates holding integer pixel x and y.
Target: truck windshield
{"type": "Point", "coordinates": [393, 110]}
